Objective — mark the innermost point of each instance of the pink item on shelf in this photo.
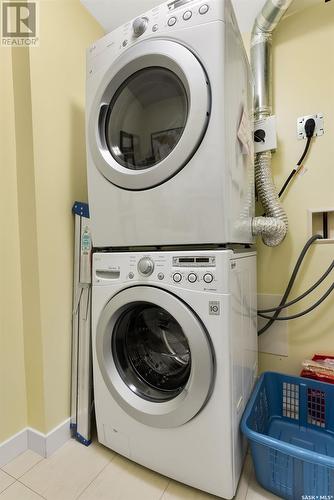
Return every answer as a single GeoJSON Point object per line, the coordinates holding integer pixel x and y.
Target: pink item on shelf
{"type": "Point", "coordinates": [320, 368]}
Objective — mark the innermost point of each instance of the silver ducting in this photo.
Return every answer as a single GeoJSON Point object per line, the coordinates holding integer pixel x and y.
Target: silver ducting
{"type": "Point", "coordinates": [274, 226]}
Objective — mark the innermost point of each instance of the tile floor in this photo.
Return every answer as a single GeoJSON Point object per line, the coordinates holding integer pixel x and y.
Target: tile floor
{"type": "Point", "coordinates": [96, 473]}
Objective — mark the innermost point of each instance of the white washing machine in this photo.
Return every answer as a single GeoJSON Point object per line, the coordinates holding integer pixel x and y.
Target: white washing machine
{"type": "Point", "coordinates": [169, 129]}
{"type": "Point", "coordinates": [175, 360]}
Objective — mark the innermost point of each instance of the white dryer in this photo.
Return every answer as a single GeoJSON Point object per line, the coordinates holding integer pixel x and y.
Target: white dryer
{"type": "Point", "coordinates": [169, 134]}
{"type": "Point", "coordinates": [175, 360]}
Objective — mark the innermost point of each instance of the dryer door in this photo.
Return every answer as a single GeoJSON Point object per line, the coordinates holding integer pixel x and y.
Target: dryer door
{"type": "Point", "coordinates": [155, 356]}
{"type": "Point", "coordinates": [149, 114]}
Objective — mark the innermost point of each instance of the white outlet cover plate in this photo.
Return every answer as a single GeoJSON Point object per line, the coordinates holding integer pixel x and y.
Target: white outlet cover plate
{"type": "Point", "coordinates": [319, 125]}
{"type": "Point", "coordinates": [276, 339]}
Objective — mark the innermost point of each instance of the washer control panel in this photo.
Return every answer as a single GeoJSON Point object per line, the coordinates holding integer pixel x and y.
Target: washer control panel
{"type": "Point", "coordinates": [196, 271]}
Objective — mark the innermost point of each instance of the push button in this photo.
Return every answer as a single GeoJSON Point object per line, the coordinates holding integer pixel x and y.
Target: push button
{"type": "Point", "coordinates": [208, 278]}
{"type": "Point", "coordinates": [172, 21]}
{"type": "Point", "coordinates": [192, 278]}
{"type": "Point", "coordinates": [203, 9]}
{"type": "Point", "coordinates": [177, 277]}
{"type": "Point", "coordinates": [187, 15]}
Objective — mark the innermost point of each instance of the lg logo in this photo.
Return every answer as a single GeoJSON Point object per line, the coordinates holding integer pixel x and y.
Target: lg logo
{"type": "Point", "coordinates": [19, 23]}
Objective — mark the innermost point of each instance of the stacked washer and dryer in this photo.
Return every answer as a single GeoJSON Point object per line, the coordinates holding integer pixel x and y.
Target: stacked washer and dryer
{"type": "Point", "coordinates": [171, 193]}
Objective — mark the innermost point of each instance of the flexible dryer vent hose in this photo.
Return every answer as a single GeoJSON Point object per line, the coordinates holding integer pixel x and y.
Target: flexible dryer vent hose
{"type": "Point", "coordinates": [274, 226]}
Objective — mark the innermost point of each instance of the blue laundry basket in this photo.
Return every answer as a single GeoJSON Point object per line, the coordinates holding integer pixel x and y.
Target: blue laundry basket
{"type": "Point", "coordinates": [289, 422]}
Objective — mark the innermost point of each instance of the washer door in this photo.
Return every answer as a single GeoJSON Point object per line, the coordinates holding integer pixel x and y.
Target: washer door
{"type": "Point", "coordinates": [149, 114]}
{"type": "Point", "coordinates": [155, 356]}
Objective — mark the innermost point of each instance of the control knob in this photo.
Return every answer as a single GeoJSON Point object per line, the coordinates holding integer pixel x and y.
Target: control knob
{"type": "Point", "coordinates": [140, 25]}
{"type": "Point", "coordinates": [192, 278]}
{"type": "Point", "coordinates": [208, 278]}
{"type": "Point", "coordinates": [177, 277]}
{"type": "Point", "coordinates": [146, 266]}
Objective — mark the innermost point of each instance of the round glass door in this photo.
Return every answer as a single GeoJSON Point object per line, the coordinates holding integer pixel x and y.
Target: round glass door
{"type": "Point", "coordinates": [155, 356]}
{"type": "Point", "coordinates": [146, 118]}
{"type": "Point", "coordinates": [149, 113]}
{"type": "Point", "coordinates": [151, 352]}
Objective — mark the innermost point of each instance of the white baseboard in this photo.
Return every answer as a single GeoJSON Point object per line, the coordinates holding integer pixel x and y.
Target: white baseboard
{"type": "Point", "coordinates": [13, 447]}
{"type": "Point", "coordinates": [46, 444]}
{"type": "Point", "coordinates": [31, 439]}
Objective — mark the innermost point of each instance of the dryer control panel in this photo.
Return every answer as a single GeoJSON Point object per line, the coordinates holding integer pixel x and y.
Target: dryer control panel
{"type": "Point", "coordinates": [162, 20]}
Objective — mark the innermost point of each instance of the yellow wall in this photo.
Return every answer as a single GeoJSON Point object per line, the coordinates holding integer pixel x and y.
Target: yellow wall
{"type": "Point", "coordinates": [13, 414]}
{"type": "Point", "coordinates": [57, 71]}
{"type": "Point", "coordinates": [28, 239]}
{"type": "Point", "coordinates": [43, 172]}
{"type": "Point", "coordinates": [303, 84]}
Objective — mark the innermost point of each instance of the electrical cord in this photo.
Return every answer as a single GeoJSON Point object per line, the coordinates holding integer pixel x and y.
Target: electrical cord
{"type": "Point", "coordinates": [291, 282]}
{"type": "Point", "coordinates": [309, 129]}
{"type": "Point", "coordinates": [299, 315]}
{"type": "Point", "coordinates": [288, 304]}
{"type": "Point", "coordinates": [295, 170]}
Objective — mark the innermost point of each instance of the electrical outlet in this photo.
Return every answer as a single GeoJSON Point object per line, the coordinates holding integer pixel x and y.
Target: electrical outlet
{"type": "Point", "coordinates": [319, 125]}
{"type": "Point", "coordinates": [265, 135]}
